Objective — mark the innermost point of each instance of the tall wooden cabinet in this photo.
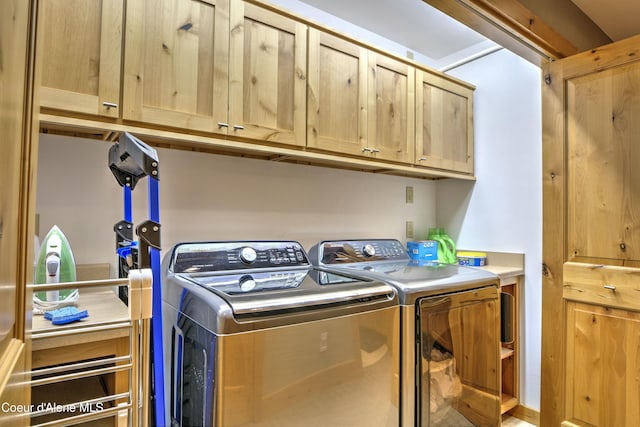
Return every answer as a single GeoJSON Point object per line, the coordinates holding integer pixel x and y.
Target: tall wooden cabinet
{"type": "Point", "coordinates": [18, 153]}
{"type": "Point", "coordinates": [81, 53]}
{"type": "Point", "coordinates": [591, 309]}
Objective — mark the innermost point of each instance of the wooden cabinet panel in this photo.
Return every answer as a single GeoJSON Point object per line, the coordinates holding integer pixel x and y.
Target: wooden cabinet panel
{"type": "Point", "coordinates": [391, 134]}
{"type": "Point", "coordinates": [17, 202]}
{"type": "Point", "coordinates": [337, 94]}
{"type": "Point", "coordinates": [81, 55]}
{"type": "Point", "coordinates": [605, 343]}
{"type": "Point", "coordinates": [444, 123]}
{"type": "Point", "coordinates": [510, 350]}
{"type": "Point", "coordinates": [268, 72]}
{"type": "Point", "coordinates": [602, 191]}
{"type": "Point", "coordinates": [176, 63]}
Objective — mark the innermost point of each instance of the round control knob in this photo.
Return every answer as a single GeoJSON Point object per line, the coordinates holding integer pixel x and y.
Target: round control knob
{"type": "Point", "coordinates": [247, 283]}
{"type": "Point", "coordinates": [368, 251]}
{"type": "Point", "coordinates": [248, 255]}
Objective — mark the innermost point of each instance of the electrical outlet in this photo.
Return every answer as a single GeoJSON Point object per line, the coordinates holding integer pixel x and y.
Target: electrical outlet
{"type": "Point", "coordinates": [409, 194]}
{"type": "Point", "coordinates": [324, 341]}
{"type": "Point", "coordinates": [409, 227]}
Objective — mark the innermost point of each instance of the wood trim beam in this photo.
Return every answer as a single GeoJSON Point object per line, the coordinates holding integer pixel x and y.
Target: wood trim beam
{"type": "Point", "coordinates": [511, 25]}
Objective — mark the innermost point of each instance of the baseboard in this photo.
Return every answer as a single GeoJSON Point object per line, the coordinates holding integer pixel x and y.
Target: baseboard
{"type": "Point", "coordinates": [526, 414]}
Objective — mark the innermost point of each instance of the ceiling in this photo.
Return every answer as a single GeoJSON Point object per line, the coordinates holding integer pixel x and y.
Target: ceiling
{"type": "Point", "coordinates": [619, 19]}
{"type": "Point", "coordinates": [411, 23]}
{"type": "Point", "coordinates": [441, 41]}
{"type": "Point", "coordinates": [438, 39]}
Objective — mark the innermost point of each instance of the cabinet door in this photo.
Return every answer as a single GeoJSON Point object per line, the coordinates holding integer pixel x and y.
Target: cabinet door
{"type": "Point", "coordinates": [459, 359]}
{"type": "Point", "coordinates": [337, 94]}
{"type": "Point", "coordinates": [602, 164]}
{"type": "Point", "coordinates": [391, 109]}
{"type": "Point", "coordinates": [605, 343]}
{"type": "Point", "coordinates": [444, 125]}
{"type": "Point", "coordinates": [81, 51]}
{"type": "Point", "coordinates": [176, 63]}
{"type": "Point", "coordinates": [267, 75]}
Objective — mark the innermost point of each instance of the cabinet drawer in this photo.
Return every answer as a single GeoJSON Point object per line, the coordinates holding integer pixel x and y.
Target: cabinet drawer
{"type": "Point", "coordinates": [603, 285]}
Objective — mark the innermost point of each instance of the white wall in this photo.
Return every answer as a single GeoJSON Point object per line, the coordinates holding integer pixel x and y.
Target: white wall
{"type": "Point", "coordinates": [210, 197]}
{"type": "Point", "coordinates": [502, 210]}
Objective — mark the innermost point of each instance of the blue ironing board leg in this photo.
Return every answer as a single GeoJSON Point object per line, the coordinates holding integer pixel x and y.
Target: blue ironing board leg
{"type": "Point", "coordinates": [128, 216]}
{"type": "Point", "coordinates": [156, 321]}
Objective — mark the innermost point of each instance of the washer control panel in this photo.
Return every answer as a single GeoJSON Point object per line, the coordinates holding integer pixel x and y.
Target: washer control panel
{"type": "Point", "coordinates": [225, 256]}
{"type": "Point", "coordinates": [354, 251]}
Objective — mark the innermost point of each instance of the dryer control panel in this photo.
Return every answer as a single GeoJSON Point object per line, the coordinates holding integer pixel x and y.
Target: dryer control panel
{"type": "Point", "coordinates": [355, 251]}
{"type": "Point", "coordinates": [226, 256]}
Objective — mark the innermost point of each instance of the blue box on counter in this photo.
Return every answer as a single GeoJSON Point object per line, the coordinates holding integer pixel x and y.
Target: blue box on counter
{"type": "Point", "coordinates": [424, 250]}
{"type": "Point", "coordinates": [474, 259]}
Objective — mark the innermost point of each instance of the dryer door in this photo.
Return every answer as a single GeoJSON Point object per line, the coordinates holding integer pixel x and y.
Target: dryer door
{"type": "Point", "coordinates": [459, 360]}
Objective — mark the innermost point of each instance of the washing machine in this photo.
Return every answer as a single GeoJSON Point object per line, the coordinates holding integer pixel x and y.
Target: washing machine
{"type": "Point", "coordinates": [258, 337]}
{"type": "Point", "coordinates": [449, 327]}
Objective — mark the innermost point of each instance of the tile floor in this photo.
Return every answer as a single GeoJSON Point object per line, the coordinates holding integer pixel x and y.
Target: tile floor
{"type": "Point", "coordinates": [514, 422]}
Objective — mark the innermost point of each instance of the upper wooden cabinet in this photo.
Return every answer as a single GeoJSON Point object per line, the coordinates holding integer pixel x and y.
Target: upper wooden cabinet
{"type": "Point", "coordinates": [391, 134]}
{"type": "Point", "coordinates": [208, 68]}
{"type": "Point", "coordinates": [81, 55]}
{"type": "Point", "coordinates": [216, 66]}
{"type": "Point", "coordinates": [336, 94]}
{"type": "Point", "coordinates": [444, 123]}
{"type": "Point", "coordinates": [267, 75]}
{"type": "Point", "coordinates": [360, 102]}
{"type": "Point", "coordinates": [176, 63]}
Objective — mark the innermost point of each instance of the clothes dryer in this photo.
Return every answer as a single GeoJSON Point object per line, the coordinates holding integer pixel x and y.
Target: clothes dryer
{"type": "Point", "coordinates": [449, 328]}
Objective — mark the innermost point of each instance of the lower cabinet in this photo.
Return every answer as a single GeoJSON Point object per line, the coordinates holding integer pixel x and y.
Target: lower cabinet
{"type": "Point", "coordinates": [602, 340]}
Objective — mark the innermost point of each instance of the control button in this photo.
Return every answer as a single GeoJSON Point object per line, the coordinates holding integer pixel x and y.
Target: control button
{"type": "Point", "coordinates": [299, 256]}
{"type": "Point", "coordinates": [247, 283]}
{"type": "Point", "coordinates": [368, 251]}
{"type": "Point", "coordinates": [248, 255]}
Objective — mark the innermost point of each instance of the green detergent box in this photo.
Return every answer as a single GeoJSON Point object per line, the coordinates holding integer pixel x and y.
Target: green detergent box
{"type": "Point", "coordinates": [423, 250]}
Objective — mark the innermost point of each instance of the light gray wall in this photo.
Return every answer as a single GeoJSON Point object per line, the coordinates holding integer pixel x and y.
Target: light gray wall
{"type": "Point", "coordinates": [211, 197]}
{"type": "Point", "coordinates": [502, 210]}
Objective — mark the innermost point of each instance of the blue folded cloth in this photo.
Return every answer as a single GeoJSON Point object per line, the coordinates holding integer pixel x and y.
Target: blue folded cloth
{"type": "Point", "coordinates": [65, 315]}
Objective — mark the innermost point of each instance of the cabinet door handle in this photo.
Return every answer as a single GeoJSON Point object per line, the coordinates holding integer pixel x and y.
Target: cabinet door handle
{"type": "Point", "coordinates": [422, 159]}
{"type": "Point", "coordinates": [223, 125]}
{"type": "Point", "coordinates": [612, 288]}
{"type": "Point", "coordinates": [238, 127]}
{"type": "Point", "coordinates": [375, 150]}
{"type": "Point", "coordinates": [110, 105]}
{"type": "Point", "coordinates": [367, 150]}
